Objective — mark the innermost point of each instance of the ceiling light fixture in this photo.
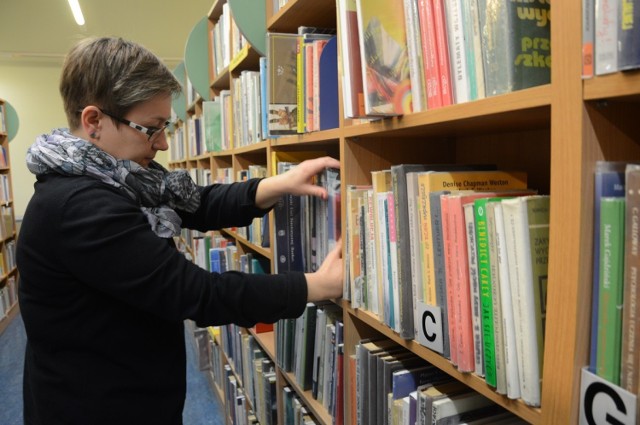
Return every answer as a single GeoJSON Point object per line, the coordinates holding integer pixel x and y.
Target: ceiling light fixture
{"type": "Point", "coordinates": [77, 12]}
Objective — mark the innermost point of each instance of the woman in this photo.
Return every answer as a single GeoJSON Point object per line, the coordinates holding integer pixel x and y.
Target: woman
{"type": "Point", "coordinates": [103, 290]}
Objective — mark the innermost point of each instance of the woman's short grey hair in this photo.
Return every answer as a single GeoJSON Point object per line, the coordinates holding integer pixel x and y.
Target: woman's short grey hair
{"type": "Point", "coordinates": [113, 74]}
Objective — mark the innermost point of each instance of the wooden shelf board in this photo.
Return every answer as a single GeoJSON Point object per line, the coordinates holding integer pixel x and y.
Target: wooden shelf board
{"type": "Point", "coordinates": [216, 10]}
{"type": "Point", "coordinates": [523, 109]}
{"type": "Point", "coordinates": [312, 12]}
{"type": "Point", "coordinates": [332, 135]}
{"type": "Point", "coordinates": [252, 148]}
{"type": "Point", "coordinates": [621, 85]}
{"type": "Point", "coordinates": [531, 415]}
{"type": "Point", "coordinates": [222, 81]}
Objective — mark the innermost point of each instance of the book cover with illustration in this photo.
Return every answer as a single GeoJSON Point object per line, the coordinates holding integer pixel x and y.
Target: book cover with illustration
{"type": "Point", "coordinates": [383, 46]}
{"type": "Point", "coordinates": [516, 44]}
{"type": "Point", "coordinates": [282, 83]}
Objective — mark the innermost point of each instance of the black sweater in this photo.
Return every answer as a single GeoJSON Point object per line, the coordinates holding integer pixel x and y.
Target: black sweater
{"type": "Point", "coordinates": [104, 299]}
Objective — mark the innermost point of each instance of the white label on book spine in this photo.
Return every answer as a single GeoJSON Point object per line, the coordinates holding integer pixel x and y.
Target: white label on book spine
{"type": "Point", "coordinates": [428, 323]}
{"type": "Point", "coordinates": [602, 402]}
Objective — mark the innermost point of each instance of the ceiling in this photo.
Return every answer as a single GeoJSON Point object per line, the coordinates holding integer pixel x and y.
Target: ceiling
{"type": "Point", "coordinates": [44, 30]}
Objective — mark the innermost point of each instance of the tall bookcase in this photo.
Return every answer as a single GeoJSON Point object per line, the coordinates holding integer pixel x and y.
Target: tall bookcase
{"type": "Point", "coordinates": [554, 132]}
{"type": "Point", "coordinates": [8, 235]}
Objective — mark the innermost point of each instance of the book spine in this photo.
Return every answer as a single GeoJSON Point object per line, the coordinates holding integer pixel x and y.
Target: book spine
{"type": "Point", "coordinates": [474, 288]}
{"type": "Point", "coordinates": [498, 332]}
{"type": "Point", "coordinates": [630, 358]}
{"type": "Point", "coordinates": [444, 69]}
{"type": "Point", "coordinates": [484, 276]}
{"type": "Point", "coordinates": [440, 202]}
{"type": "Point", "coordinates": [457, 50]}
{"type": "Point", "coordinates": [506, 303]}
{"type": "Point", "coordinates": [414, 49]}
{"type": "Point", "coordinates": [611, 284]}
{"type": "Point", "coordinates": [461, 289]}
{"type": "Point", "coordinates": [609, 181]}
{"type": "Point", "coordinates": [628, 35]}
{"type": "Point", "coordinates": [588, 37]}
{"type": "Point", "coordinates": [606, 36]}
{"type": "Point", "coordinates": [430, 53]}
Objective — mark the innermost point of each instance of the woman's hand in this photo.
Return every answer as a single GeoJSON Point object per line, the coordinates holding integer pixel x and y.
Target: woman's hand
{"type": "Point", "coordinates": [296, 181]}
{"type": "Point", "coordinates": [328, 281]}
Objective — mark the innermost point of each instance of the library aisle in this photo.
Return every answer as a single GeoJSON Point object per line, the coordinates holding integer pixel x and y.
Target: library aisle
{"type": "Point", "coordinates": [201, 406]}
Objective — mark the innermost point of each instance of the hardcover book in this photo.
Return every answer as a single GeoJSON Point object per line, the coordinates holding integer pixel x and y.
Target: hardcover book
{"type": "Point", "coordinates": [383, 47]}
{"type": "Point", "coordinates": [282, 83]}
{"type": "Point", "coordinates": [516, 45]}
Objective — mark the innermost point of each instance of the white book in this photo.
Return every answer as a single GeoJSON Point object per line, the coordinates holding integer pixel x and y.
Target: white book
{"type": "Point", "coordinates": [524, 289]}
{"type": "Point", "coordinates": [457, 50]}
{"type": "Point", "coordinates": [501, 373]}
{"type": "Point", "coordinates": [473, 46]}
{"type": "Point", "coordinates": [414, 50]}
{"type": "Point", "coordinates": [474, 288]}
{"type": "Point", "coordinates": [508, 325]}
{"type": "Point", "coordinates": [449, 406]}
{"type": "Point", "coordinates": [371, 259]}
{"type": "Point", "coordinates": [606, 36]}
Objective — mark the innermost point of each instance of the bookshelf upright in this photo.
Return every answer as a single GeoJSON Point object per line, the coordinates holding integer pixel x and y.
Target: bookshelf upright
{"type": "Point", "coordinates": [555, 133]}
{"type": "Point", "coordinates": [8, 272]}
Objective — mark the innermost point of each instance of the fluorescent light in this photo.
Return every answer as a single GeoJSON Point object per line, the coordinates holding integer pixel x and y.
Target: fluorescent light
{"type": "Point", "coordinates": [77, 12]}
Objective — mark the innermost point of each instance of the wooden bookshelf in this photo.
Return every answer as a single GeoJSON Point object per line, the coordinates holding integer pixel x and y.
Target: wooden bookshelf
{"type": "Point", "coordinates": [7, 240]}
{"type": "Point", "coordinates": [555, 133]}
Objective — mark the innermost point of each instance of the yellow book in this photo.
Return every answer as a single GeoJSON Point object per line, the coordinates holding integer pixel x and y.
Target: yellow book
{"type": "Point", "coordinates": [381, 182]}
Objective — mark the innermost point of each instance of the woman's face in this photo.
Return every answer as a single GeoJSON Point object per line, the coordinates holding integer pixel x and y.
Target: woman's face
{"type": "Point", "coordinates": [125, 142]}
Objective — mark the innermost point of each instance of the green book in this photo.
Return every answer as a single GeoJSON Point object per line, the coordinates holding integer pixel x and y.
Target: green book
{"type": "Point", "coordinates": [212, 125]}
{"type": "Point", "coordinates": [486, 298]}
{"type": "Point", "coordinates": [611, 288]}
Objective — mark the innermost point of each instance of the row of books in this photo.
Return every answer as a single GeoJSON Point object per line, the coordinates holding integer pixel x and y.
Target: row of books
{"type": "Point", "coordinates": [457, 238]}
{"type": "Point", "coordinates": [405, 56]}
{"type": "Point", "coordinates": [306, 227]}
{"type": "Point", "coordinates": [176, 140]}
{"type": "Point", "coordinates": [8, 296]}
{"type": "Point", "coordinates": [610, 31]}
{"type": "Point", "coordinates": [393, 386]}
{"type": "Point", "coordinates": [311, 347]}
{"type": "Point", "coordinates": [295, 412]}
{"type": "Point", "coordinates": [226, 41]}
{"type": "Point", "coordinates": [615, 310]}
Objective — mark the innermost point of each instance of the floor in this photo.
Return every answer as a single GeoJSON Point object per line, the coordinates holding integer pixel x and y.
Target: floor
{"type": "Point", "coordinates": [201, 406]}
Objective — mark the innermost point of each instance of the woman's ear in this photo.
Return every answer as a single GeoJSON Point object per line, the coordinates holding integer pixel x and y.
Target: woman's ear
{"type": "Point", "coordinates": [91, 122]}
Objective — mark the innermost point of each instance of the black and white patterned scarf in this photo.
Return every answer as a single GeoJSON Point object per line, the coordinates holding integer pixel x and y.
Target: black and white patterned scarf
{"type": "Point", "coordinates": [158, 191]}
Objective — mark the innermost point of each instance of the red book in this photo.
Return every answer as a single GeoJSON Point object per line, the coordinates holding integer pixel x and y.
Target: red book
{"type": "Point", "coordinates": [444, 69]}
{"type": "Point", "coordinates": [429, 53]}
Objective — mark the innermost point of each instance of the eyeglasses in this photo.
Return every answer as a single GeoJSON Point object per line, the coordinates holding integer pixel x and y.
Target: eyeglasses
{"type": "Point", "coordinates": [153, 133]}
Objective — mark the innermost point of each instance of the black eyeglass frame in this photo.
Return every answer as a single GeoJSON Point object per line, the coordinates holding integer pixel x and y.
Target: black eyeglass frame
{"type": "Point", "coordinates": [149, 131]}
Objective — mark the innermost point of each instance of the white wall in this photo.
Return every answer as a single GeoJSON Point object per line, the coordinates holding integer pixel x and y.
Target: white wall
{"type": "Point", "coordinates": [32, 89]}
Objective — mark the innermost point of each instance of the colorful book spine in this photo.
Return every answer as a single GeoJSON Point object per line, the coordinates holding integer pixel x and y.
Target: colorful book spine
{"type": "Point", "coordinates": [611, 288]}
{"type": "Point", "coordinates": [630, 359]}
{"type": "Point", "coordinates": [609, 181]}
{"type": "Point", "coordinates": [484, 276]}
